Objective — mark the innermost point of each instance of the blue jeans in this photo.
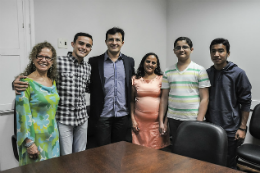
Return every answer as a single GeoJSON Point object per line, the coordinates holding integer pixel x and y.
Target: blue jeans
{"type": "Point", "coordinates": [72, 138]}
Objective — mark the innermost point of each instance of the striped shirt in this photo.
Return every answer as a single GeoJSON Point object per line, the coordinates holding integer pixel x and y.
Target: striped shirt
{"type": "Point", "coordinates": [184, 98]}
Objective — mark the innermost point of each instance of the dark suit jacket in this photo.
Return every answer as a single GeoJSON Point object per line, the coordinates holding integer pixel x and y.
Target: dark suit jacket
{"type": "Point", "coordinates": [97, 81]}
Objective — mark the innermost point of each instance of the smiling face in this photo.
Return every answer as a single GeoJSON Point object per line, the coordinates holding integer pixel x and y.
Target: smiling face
{"type": "Point", "coordinates": [219, 55]}
{"type": "Point", "coordinates": [81, 47]}
{"type": "Point", "coordinates": [42, 64]}
{"type": "Point", "coordinates": [114, 43]}
{"type": "Point", "coordinates": [182, 50]}
{"type": "Point", "coordinates": [150, 64]}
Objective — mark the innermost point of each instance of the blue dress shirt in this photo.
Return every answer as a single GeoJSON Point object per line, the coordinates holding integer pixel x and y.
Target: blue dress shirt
{"type": "Point", "coordinates": [115, 95]}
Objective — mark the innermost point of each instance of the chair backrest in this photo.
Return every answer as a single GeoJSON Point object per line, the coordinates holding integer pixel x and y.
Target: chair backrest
{"type": "Point", "coordinates": [202, 141]}
{"type": "Point", "coordinates": [14, 137]}
{"type": "Point", "coordinates": [254, 127]}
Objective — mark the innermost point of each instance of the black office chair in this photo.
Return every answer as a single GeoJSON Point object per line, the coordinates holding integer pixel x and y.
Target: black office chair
{"type": "Point", "coordinates": [202, 141]}
{"type": "Point", "coordinates": [251, 152]}
{"type": "Point", "coordinates": [14, 139]}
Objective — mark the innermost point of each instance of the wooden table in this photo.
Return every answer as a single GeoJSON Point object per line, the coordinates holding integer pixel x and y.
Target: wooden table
{"type": "Point", "coordinates": [121, 157]}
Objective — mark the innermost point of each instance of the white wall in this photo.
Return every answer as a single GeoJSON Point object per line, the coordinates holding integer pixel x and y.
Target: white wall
{"type": "Point", "coordinates": [144, 22]}
{"type": "Point", "coordinates": [204, 20]}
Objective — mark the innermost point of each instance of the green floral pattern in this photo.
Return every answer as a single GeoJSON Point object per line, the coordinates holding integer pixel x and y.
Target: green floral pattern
{"type": "Point", "coordinates": [35, 115]}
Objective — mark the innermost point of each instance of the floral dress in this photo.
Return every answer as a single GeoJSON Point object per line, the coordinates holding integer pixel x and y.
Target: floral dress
{"type": "Point", "coordinates": [35, 115]}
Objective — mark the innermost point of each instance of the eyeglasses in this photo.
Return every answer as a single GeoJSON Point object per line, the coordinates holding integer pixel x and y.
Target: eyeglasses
{"type": "Point", "coordinates": [40, 57]}
{"type": "Point", "coordinates": [183, 47]}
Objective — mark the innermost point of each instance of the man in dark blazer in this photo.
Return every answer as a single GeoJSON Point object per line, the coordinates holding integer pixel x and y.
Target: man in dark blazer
{"type": "Point", "coordinates": [110, 90]}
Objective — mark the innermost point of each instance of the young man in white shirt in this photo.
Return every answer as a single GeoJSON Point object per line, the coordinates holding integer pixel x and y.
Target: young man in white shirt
{"type": "Point", "coordinates": [184, 90]}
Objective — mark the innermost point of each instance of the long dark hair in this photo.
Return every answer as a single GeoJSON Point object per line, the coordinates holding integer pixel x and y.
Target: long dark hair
{"type": "Point", "coordinates": [140, 71]}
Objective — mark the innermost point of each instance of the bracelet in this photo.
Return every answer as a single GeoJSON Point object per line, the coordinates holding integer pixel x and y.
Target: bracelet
{"type": "Point", "coordinates": [27, 145]}
{"type": "Point", "coordinates": [242, 129]}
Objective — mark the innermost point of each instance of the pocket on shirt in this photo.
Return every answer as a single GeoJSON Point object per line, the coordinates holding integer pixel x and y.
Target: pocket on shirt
{"type": "Point", "coordinates": [67, 79]}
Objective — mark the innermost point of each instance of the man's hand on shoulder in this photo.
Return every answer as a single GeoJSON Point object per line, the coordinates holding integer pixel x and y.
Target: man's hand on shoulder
{"type": "Point", "coordinates": [19, 85]}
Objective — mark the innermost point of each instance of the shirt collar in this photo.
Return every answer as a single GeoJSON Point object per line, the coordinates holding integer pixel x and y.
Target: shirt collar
{"type": "Point", "coordinates": [73, 59]}
{"type": "Point", "coordinates": [107, 57]}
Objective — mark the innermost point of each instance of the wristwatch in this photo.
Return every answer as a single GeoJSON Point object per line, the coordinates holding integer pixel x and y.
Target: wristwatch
{"type": "Point", "coordinates": [242, 129]}
{"type": "Point", "coordinates": [27, 145]}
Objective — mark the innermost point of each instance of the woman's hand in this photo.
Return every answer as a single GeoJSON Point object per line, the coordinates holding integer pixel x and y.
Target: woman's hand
{"type": "Point", "coordinates": [162, 128]}
{"type": "Point", "coordinates": [135, 126]}
{"type": "Point", "coordinates": [33, 152]}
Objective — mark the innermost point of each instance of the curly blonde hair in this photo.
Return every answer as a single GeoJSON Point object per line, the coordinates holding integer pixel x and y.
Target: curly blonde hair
{"type": "Point", "coordinates": [52, 72]}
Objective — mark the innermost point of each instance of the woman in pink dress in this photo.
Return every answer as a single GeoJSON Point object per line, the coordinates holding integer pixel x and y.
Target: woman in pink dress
{"type": "Point", "coordinates": [146, 93]}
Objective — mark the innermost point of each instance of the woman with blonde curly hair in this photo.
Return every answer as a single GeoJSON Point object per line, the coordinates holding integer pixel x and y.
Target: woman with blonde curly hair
{"type": "Point", "coordinates": [37, 132]}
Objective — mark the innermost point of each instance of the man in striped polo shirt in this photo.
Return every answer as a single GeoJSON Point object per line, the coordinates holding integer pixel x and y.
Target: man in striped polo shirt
{"type": "Point", "coordinates": [184, 89]}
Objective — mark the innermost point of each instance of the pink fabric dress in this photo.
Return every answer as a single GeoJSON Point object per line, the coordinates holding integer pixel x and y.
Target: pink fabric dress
{"type": "Point", "coordinates": [146, 113]}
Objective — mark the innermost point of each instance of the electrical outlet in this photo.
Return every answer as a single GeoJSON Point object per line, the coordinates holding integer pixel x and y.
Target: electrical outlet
{"type": "Point", "coordinates": [65, 45]}
{"type": "Point", "coordinates": [62, 43]}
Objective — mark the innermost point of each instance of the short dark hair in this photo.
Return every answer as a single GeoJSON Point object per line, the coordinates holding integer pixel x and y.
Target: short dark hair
{"type": "Point", "coordinates": [189, 42]}
{"type": "Point", "coordinates": [223, 41]}
{"type": "Point", "coordinates": [115, 30]}
{"type": "Point", "coordinates": [140, 70]}
{"type": "Point", "coordinates": [82, 34]}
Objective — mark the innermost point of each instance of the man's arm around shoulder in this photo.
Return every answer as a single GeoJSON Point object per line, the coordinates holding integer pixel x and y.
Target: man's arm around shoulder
{"type": "Point", "coordinates": [18, 85]}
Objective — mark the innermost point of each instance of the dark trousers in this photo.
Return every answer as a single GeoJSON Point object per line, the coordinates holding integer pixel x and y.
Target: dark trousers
{"type": "Point", "coordinates": [232, 152]}
{"type": "Point", "coordinates": [174, 124]}
{"type": "Point", "coordinates": [110, 130]}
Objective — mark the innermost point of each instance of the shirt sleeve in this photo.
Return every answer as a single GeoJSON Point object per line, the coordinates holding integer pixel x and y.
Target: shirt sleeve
{"type": "Point", "coordinates": [203, 78]}
{"type": "Point", "coordinates": [244, 92]}
{"type": "Point", "coordinates": [24, 117]}
{"type": "Point", "coordinates": [165, 82]}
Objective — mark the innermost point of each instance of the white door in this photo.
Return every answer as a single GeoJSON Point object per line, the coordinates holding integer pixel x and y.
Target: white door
{"type": "Point", "coordinates": [15, 42]}
{"type": "Point", "coordinates": [12, 48]}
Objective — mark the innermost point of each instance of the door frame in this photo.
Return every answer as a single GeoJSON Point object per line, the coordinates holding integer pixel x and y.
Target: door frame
{"type": "Point", "coordinates": [29, 29]}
